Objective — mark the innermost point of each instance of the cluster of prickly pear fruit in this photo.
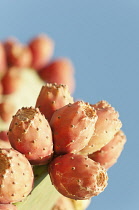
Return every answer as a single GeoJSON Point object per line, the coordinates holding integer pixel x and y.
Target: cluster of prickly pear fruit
{"type": "Point", "coordinates": [67, 135]}
{"type": "Point", "coordinates": [77, 141]}
{"type": "Point", "coordinates": [34, 56]}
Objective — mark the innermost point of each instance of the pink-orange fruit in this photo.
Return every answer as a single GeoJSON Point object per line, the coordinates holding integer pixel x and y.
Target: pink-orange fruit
{"type": "Point", "coordinates": [60, 71]}
{"type": "Point", "coordinates": [3, 62]}
{"type": "Point", "coordinates": [109, 154]}
{"type": "Point", "coordinates": [106, 127]}
{"type": "Point", "coordinates": [7, 109]}
{"type": "Point", "coordinates": [53, 97]}
{"type": "Point", "coordinates": [11, 81]}
{"type": "Point", "coordinates": [30, 134]}
{"type": "Point", "coordinates": [17, 54]}
{"type": "Point", "coordinates": [9, 43]}
{"type": "Point", "coordinates": [42, 48]}
{"type": "Point", "coordinates": [77, 176]}
{"type": "Point", "coordinates": [16, 176]}
{"type": "Point", "coordinates": [72, 126]}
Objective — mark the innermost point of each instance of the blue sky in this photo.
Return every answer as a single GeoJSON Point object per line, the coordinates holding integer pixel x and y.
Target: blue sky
{"type": "Point", "coordinates": [102, 39]}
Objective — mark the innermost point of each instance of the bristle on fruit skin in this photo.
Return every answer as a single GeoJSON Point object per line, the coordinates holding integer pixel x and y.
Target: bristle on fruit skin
{"type": "Point", "coordinates": [30, 134]}
{"type": "Point", "coordinates": [52, 97]}
{"type": "Point", "coordinates": [72, 127]}
{"type": "Point", "coordinates": [109, 154]}
{"type": "Point", "coordinates": [77, 177]}
{"type": "Point", "coordinates": [7, 207]}
{"type": "Point", "coordinates": [60, 71]}
{"type": "Point", "coordinates": [16, 176]}
{"type": "Point", "coordinates": [107, 125]}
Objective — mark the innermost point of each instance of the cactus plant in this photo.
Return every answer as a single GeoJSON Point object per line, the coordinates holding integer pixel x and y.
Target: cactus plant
{"type": "Point", "coordinates": [77, 127]}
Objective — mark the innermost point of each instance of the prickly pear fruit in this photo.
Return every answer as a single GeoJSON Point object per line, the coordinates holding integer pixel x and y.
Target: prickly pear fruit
{"type": "Point", "coordinates": [18, 55]}
{"type": "Point", "coordinates": [106, 127]}
{"type": "Point", "coordinates": [60, 71]}
{"type": "Point", "coordinates": [7, 207]}
{"type": "Point", "coordinates": [77, 176]}
{"type": "Point", "coordinates": [11, 81]}
{"type": "Point", "coordinates": [9, 44]}
{"type": "Point", "coordinates": [16, 176]}
{"type": "Point", "coordinates": [109, 154]}
{"type": "Point", "coordinates": [42, 48]}
{"type": "Point", "coordinates": [72, 126]}
{"type": "Point", "coordinates": [3, 62]}
{"type": "Point", "coordinates": [53, 97]}
{"type": "Point", "coordinates": [7, 109]}
{"type": "Point", "coordinates": [30, 134]}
